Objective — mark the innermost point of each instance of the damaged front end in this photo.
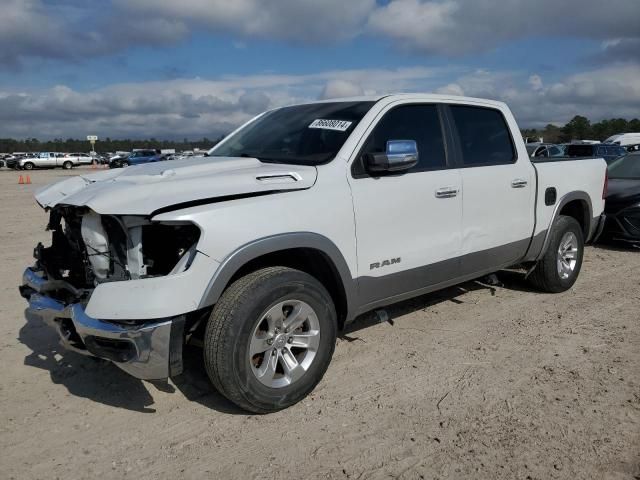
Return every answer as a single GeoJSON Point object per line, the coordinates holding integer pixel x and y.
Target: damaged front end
{"type": "Point", "coordinates": [96, 261]}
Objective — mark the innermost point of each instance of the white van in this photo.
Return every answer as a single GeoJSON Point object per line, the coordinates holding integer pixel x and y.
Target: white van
{"type": "Point", "coordinates": [624, 139]}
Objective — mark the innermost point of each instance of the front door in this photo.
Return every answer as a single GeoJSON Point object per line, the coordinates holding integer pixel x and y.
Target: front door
{"type": "Point", "coordinates": [47, 159]}
{"type": "Point", "coordinates": [407, 224]}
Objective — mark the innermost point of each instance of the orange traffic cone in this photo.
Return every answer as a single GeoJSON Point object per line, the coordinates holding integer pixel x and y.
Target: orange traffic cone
{"type": "Point", "coordinates": [28, 180]}
{"type": "Point", "coordinates": [21, 180]}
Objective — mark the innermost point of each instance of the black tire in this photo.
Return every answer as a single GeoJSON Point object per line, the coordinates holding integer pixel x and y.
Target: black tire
{"type": "Point", "coordinates": [124, 164]}
{"type": "Point", "coordinates": [28, 166]}
{"type": "Point", "coordinates": [67, 165]}
{"type": "Point", "coordinates": [546, 276]}
{"type": "Point", "coordinates": [231, 327]}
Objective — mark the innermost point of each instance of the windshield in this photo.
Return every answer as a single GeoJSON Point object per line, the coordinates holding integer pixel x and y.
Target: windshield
{"type": "Point", "coordinates": [303, 134]}
{"type": "Point", "coordinates": [625, 167]}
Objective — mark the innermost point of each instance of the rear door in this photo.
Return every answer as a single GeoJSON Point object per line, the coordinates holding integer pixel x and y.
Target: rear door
{"type": "Point", "coordinates": [408, 223]}
{"type": "Point", "coordinates": [47, 159]}
{"type": "Point", "coordinates": [498, 189]}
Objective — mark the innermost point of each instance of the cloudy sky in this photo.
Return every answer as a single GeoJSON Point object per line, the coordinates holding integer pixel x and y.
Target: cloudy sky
{"type": "Point", "coordinates": [190, 68]}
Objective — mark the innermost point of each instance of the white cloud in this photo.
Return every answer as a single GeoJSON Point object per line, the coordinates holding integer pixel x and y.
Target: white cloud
{"type": "Point", "coordinates": [197, 107]}
{"type": "Point", "coordinates": [607, 92]}
{"type": "Point", "coordinates": [451, 89]}
{"type": "Point", "coordinates": [306, 21]}
{"type": "Point", "coordinates": [453, 27]}
{"type": "Point", "coordinates": [535, 81]}
{"type": "Point", "coordinates": [73, 29]}
{"type": "Point", "coordinates": [340, 88]}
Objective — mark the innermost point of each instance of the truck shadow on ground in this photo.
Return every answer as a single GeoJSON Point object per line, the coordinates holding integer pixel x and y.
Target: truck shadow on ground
{"type": "Point", "coordinates": [103, 382]}
{"type": "Point", "coordinates": [504, 279]}
{"type": "Point", "coordinates": [617, 246]}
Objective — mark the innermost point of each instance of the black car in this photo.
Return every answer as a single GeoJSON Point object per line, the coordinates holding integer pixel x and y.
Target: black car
{"type": "Point", "coordinates": [632, 148]}
{"type": "Point", "coordinates": [608, 152]}
{"type": "Point", "coordinates": [622, 205]}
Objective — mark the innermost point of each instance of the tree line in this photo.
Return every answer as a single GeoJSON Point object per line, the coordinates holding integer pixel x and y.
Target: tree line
{"type": "Point", "coordinates": [580, 128]}
{"type": "Point", "coordinates": [8, 145]}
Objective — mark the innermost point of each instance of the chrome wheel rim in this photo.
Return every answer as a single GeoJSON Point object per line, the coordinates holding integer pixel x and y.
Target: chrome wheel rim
{"type": "Point", "coordinates": [567, 257]}
{"type": "Point", "coordinates": [284, 343]}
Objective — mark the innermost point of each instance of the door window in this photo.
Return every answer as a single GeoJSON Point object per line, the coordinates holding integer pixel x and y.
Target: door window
{"type": "Point", "coordinates": [420, 123]}
{"type": "Point", "coordinates": [542, 152]}
{"type": "Point", "coordinates": [555, 151]}
{"type": "Point", "coordinates": [484, 136]}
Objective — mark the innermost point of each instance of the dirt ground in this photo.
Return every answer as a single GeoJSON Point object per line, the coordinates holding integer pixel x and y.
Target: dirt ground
{"type": "Point", "coordinates": [470, 382]}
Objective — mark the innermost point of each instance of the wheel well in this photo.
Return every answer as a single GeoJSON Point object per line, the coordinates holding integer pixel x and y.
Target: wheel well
{"type": "Point", "coordinates": [579, 210]}
{"type": "Point", "coordinates": [309, 260]}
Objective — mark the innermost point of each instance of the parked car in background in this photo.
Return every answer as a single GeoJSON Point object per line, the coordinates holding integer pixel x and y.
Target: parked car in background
{"type": "Point", "coordinates": [623, 139]}
{"type": "Point", "coordinates": [298, 222]}
{"type": "Point", "coordinates": [543, 150]}
{"type": "Point", "coordinates": [633, 148]}
{"type": "Point", "coordinates": [622, 206]}
{"type": "Point", "coordinates": [2, 164]}
{"type": "Point", "coordinates": [138, 157]}
{"type": "Point", "coordinates": [80, 158]}
{"type": "Point", "coordinates": [608, 152]}
{"type": "Point", "coordinates": [103, 158]}
{"type": "Point", "coordinates": [11, 161]}
{"type": "Point", "coordinates": [48, 160]}
{"type": "Point", "coordinates": [117, 160]}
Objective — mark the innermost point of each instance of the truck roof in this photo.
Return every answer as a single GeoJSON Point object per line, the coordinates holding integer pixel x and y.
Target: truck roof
{"type": "Point", "coordinates": [425, 97]}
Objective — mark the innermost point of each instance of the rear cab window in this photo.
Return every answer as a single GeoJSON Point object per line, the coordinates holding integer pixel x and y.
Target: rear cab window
{"type": "Point", "coordinates": [483, 135]}
{"type": "Point", "coordinates": [580, 150]}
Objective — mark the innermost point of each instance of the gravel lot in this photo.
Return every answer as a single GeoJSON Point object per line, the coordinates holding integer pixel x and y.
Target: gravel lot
{"type": "Point", "coordinates": [470, 382]}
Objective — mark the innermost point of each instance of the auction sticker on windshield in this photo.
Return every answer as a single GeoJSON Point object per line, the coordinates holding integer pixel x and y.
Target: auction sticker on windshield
{"type": "Point", "coordinates": [339, 125]}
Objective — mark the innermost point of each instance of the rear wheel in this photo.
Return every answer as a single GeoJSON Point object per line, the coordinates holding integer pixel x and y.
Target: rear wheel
{"type": "Point", "coordinates": [270, 339]}
{"type": "Point", "coordinates": [559, 268]}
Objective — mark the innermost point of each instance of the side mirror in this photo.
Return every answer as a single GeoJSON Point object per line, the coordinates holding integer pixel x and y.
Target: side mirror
{"type": "Point", "coordinates": [400, 155]}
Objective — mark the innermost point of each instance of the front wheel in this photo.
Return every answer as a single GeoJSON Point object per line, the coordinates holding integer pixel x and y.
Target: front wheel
{"type": "Point", "coordinates": [270, 339]}
{"type": "Point", "coordinates": [28, 166]}
{"type": "Point", "coordinates": [559, 268]}
{"type": "Point", "coordinates": [67, 165]}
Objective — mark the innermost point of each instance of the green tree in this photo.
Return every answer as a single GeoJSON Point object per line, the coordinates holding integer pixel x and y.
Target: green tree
{"type": "Point", "coordinates": [578, 128]}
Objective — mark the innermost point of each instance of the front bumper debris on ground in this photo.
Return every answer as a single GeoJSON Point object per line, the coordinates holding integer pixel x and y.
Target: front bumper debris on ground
{"type": "Point", "coordinates": [145, 349]}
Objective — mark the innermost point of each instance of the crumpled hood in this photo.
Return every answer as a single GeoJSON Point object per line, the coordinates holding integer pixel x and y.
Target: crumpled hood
{"type": "Point", "coordinates": [144, 189]}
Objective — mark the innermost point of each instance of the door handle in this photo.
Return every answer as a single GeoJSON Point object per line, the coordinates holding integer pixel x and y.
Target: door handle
{"type": "Point", "coordinates": [518, 183]}
{"type": "Point", "coordinates": [446, 192]}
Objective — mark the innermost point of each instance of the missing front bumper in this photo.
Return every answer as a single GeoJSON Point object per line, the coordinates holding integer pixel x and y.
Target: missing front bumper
{"type": "Point", "coordinates": [148, 350]}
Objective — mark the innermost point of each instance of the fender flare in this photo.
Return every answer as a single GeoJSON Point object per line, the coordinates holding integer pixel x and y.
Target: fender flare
{"type": "Point", "coordinates": [285, 241]}
{"type": "Point", "coordinates": [569, 197]}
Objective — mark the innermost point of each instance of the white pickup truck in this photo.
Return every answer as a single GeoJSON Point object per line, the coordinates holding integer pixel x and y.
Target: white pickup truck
{"type": "Point", "coordinates": [48, 160]}
{"type": "Point", "coordinates": [299, 221]}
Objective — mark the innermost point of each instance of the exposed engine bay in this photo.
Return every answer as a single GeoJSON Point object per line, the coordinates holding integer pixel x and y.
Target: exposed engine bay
{"type": "Point", "coordinates": [88, 249]}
